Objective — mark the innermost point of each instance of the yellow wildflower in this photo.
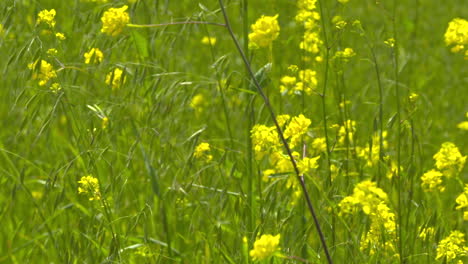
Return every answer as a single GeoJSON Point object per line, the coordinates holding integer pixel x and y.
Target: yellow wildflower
{"type": "Point", "coordinates": [208, 40]}
{"type": "Point", "coordinates": [345, 54]}
{"type": "Point", "coordinates": [463, 125]}
{"type": "Point", "coordinates": [115, 78]}
{"type": "Point", "coordinates": [114, 20]}
{"type": "Point", "coordinates": [198, 103]}
{"type": "Point", "coordinates": [42, 72]}
{"type": "Point", "coordinates": [311, 42]}
{"type": "Point", "coordinates": [390, 42]}
{"type": "Point", "coordinates": [264, 139]}
{"type": "Point", "coordinates": [296, 128]}
{"type": "Point", "coordinates": [60, 36]}
{"type": "Point", "coordinates": [47, 17]}
{"type": "Point", "coordinates": [265, 247]}
{"type": "Point", "coordinates": [319, 145]}
{"type": "Point", "coordinates": [432, 181]}
{"type": "Point", "coordinates": [52, 52]}
{"type": "Point", "coordinates": [282, 119]}
{"type": "Point", "coordinates": [287, 83]}
{"type": "Point", "coordinates": [449, 160]}
{"type": "Point", "coordinates": [339, 22]}
{"type": "Point", "coordinates": [94, 55]}
{"type": "Point", "coordinates": [265, 30]}
{"type": "Point", "coordinates": [201, 152]}
{"type": "Point", "coordinates": [457, 34]}
{"type": "Point", "coordinates": [55, 87]}
{"type": "Point", "coordinates": [90, 186]}
{"type": "Point", "coordinates": [452, 247]}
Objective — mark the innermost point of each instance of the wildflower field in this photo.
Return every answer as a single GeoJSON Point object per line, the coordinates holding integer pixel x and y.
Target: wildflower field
{"type": "Point", "coordinates": [234, 131]}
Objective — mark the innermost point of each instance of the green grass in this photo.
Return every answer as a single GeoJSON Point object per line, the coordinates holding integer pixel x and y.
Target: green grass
{"type": "Point", "coordinates": [159, 203]}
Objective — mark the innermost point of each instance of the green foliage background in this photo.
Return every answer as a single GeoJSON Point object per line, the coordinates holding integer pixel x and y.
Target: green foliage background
{"type": "Point", "coordinates": [162, 200]}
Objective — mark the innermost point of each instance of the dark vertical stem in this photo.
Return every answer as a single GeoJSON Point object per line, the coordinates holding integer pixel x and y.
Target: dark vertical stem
{"type": "Point", "coordinates": [278, 128]}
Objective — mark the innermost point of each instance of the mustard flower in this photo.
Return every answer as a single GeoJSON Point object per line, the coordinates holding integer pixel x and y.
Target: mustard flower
{"type": "Point", "coordinates": [463, 125]}
{"type": "Point", "coordinates": [282, 119]}
{"type": "Point", "coordinates": [89, 186]}
{"type": "Point", "coordinates": [114, 21]}
{"type": "Point", "coordinates": [264, 139]}
{"type": "Point", "coordinates": [55, 87]}
{"type": "Point", "coordinates": [457, 35]}
{"type": "Point", "coordinates": [44, 72]}
{"type": "Point", "coordinates": [345, 54]}
{"type": "Point", "coordinates": [265, 30]}
{"type": "Point", "coordinates": [94, 55]}
{"type": "Point", "coordinates": [198, 103]}
{"type": "Point", "coordinates": [311, 42]}
{"type": "Point", "coordinates": [367, 195]}
{"type": "Point", "coordinates": [432, 181]}
{"type": "Point", "coordinates": [319, 145]}
{"type": "Point", "coordinates": [208, 40]}
{"type": "Point", "coordinates": [296, 128]}
{"type": "Point", "coordinates": [452, 247]}
{"type": "Point", "coordinates": [47, 17]}
{"type": "Point", "coordinates": [265, 247]}
{"type": "Point", "coordinates": [462, 202]}
{"type": "Point", "coordinates": [449, 160]}
{"type": "Point", "coordinates": [390, 42]}
{"type": "Point", "coordinates": [60, 36]}
{"type": "Point", "coordinates": [116, 78]}
{"type": "Point", "coordinates": [287, 83]}
{"type": "Point", "coordinates": [52, 52]}
{"type": "Point", "coordinates": [202, 152]}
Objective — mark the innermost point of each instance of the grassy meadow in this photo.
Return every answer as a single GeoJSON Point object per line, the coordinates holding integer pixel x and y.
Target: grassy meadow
{"type": "Point", "coordinates": [180, 131]}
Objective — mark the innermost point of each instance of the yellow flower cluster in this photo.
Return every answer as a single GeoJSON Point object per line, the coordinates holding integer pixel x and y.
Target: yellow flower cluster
{"type": "Point", "coordinates": [114, 21]}
{"type": "Point", "coordinates": [432, 181]}
{"type": "Point", "coordinates": [265, 247]}
{"type": "Point", "coordinates": [198, 103]}
{"type": "Point", "coordinates": [448, 162]}
{"type": "Point", "coordinates": [94, 55]}
{"type": "Point", "coordinates": [307, 82]}
{"type": "Point", "coordinates": [116, 78]}
{"type": "Point", "coordinates": [266, 143]}
{"type": "Point", "coordinates": [462, 202]}
{"type": "Point", "coordinates": [264, 31]}
{"type": "Point", "coordinates": [90, 186]}
{"type": "Point", "coordinates": [202, 152]}
{"type": "Point", "coordinates": [47, 17]}
{"type": "Point", "coordinates": [373, 202]}
{"type": "Point", "coordinates": [208, 40]}
{"type": "Point", "coordinates": [42, 71]}
{"type": "Point", "coordinates": [308, 16]}
{"type": "Point", "coordinates": [296, 128]}
{"type": "Point", "coordinates": [463, 125]}
{"type": "Point", "coordinates": [457, 35]}
{"type": "Point", "coordinates": [345, 54]}
{"type": "Point", "coordinates": [452, 247]}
